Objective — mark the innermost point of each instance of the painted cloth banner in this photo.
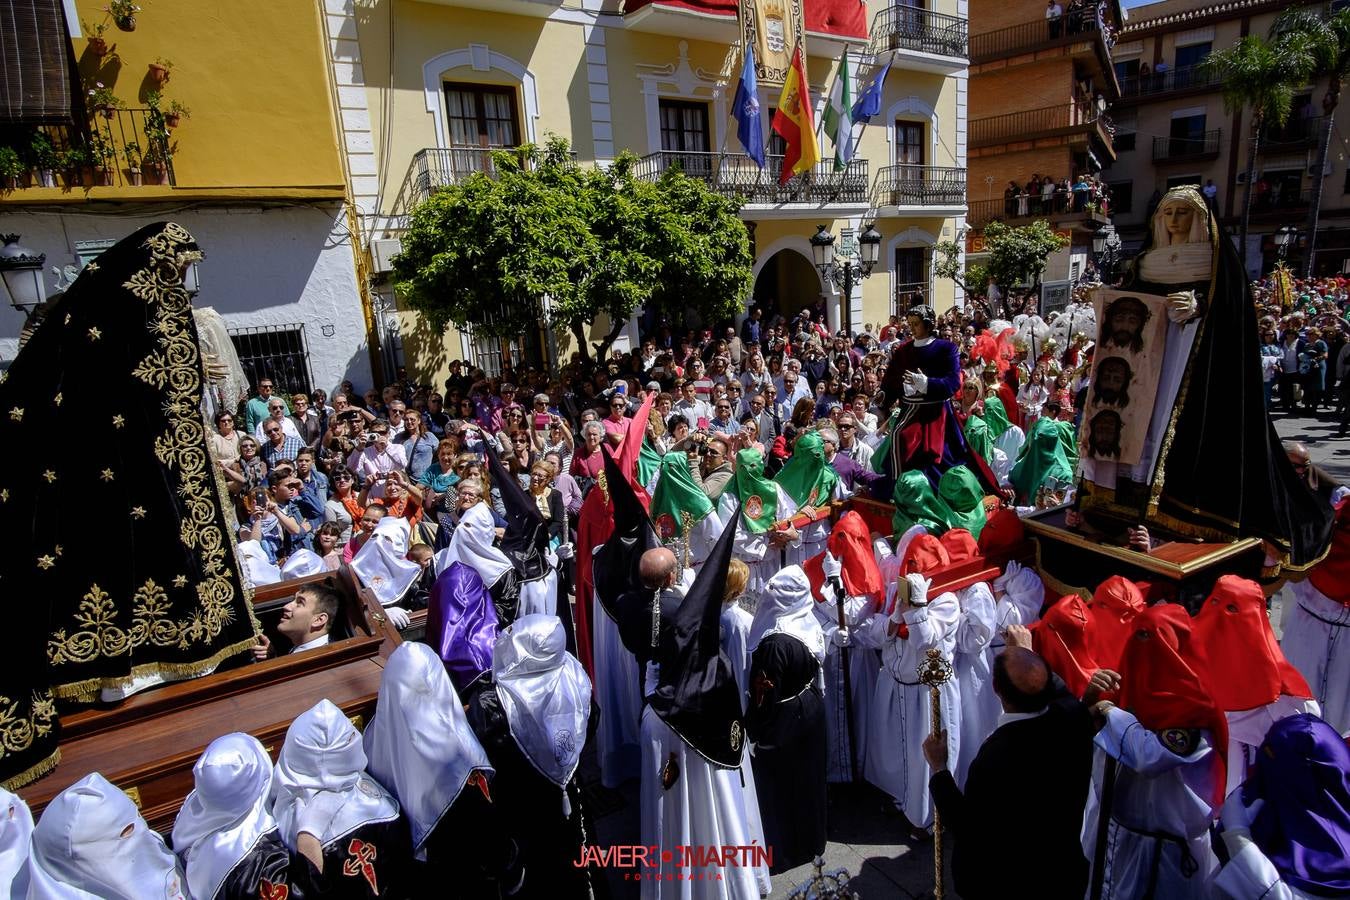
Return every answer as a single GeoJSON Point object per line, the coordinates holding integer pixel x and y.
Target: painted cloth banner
{"type": "Point", "coordinates": [1125, 369]}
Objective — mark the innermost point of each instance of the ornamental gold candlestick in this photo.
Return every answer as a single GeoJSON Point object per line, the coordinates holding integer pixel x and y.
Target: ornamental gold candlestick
{"type": "Point", "coordinates": [935, 671]}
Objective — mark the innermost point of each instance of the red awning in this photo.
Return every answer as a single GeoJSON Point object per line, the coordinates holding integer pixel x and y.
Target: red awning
{"type": "Point", "coordinates": [844, 18]}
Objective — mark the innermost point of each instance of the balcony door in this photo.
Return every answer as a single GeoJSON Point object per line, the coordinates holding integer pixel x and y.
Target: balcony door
{"type": "Point", "coordinates": [685, 136]}
{"type": "Point", "coordinates": [1187, 136]}
{"type": "Point", "coordinates": [911, 277]}
{"type": "Point", "coordinates": [481, 117]}
{"type": "Point", "coordinates": [909, 143]}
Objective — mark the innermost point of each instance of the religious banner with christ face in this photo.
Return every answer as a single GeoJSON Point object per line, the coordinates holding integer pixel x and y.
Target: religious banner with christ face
{"type": "Point", "coordinates": [1131, 333]}
{"type": "Point", "coordinates": [774, 28]}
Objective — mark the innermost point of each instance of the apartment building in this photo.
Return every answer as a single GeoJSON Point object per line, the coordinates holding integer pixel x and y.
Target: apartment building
{"type": "Point", "coordinates": [1041, 84]}
{"type": "Point", "coordinates": [1172, 129]}
{"type": "Point", "coordinates": [429, 88]}
{"type": "Point", "coordinates": [220, 117]}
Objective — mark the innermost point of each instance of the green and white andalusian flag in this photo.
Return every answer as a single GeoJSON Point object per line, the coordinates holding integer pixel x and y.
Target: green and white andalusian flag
{"type": "Point", "coordinates": [839, 115]}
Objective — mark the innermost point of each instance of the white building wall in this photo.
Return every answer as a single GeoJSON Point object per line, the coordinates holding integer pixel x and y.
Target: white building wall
{"type": "Point", "coordinates": [276, 266]}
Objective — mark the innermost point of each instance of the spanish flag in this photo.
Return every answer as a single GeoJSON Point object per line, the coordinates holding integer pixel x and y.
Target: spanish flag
{"type": "Point", "coordinates": [793, 120]}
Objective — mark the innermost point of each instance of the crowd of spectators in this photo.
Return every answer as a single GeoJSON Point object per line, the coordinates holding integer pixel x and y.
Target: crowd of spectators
{"type": "Point", "coordinates": [1305, 345]}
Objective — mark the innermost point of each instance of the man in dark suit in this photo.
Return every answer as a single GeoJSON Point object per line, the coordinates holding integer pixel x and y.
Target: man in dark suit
{"type": "Point", "coordinates": [1024, 797]}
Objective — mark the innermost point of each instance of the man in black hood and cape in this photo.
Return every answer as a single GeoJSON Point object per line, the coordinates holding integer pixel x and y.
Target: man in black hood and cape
{"type": "Point", "coordinates": [693, 737]}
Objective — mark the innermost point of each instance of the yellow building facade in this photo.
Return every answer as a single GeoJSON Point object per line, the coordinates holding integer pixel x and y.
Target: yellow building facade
{"type": "Point", "coordinates": [427, 87]}
{"type": "Point", "coordinates": [254, 170]}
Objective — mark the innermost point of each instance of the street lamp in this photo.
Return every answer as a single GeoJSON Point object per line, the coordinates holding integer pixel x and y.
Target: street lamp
{"type": "Point", "coordinates": [1285, 236]}
{"type": "Point", "coordinates": [191, 279]}
{"type": "Point", "coordinates": [1106, 247]}
{"type": "Point", "coordinates": [21, 269]}
{"type": "Point", "coordinates": [847, 265]}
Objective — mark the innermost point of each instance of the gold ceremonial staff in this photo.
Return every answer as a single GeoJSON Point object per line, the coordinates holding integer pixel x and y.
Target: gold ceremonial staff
{"type": "Point", "coordinates": [935, 671]}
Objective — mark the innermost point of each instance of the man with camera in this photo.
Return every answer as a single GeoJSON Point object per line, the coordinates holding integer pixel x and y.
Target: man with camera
{"type": "Point", "coordinates": [275, 519]}
{"type": "Point", "coordinates": [378, 457]}
{"type": "Point", "coordinates": [710, 462]}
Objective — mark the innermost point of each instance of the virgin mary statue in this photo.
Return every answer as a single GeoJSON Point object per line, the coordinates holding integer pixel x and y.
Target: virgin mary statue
{"type": "Point", "coordinates": [1212, 467]}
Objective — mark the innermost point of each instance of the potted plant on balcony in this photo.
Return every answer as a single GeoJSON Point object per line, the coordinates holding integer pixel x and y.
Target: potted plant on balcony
{"type": "Point", "coordinates": [98, 44]}
{"type": "Point", "coordinates": [159, 70]}
{"type": "Point", "coordinates": [123, 14]}
{"type": "Point", "coordinates": [132, 151]}
{"type": "Point", "coordinates": [11, 168]}
{"type": "Point", "coordinates": [102, 99]}
{"type": "Point", "coordinates": [73, 162]}
{"type": "Point", "coordinates": [102, 157]}
{"type": "Point", "coordinates": [174, 113]}
{"type": "Point", "coordinates": [43, 157]}
{"type": "Point", "coordinates": [155, 162]}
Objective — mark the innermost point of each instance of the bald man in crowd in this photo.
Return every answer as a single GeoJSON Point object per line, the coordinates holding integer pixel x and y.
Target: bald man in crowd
{"type": "Point", "coordinates": [1028, 784]}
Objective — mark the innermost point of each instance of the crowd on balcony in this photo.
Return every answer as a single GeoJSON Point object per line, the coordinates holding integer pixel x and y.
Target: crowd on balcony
{"type": "Point", "coordinates": [1045, 195]}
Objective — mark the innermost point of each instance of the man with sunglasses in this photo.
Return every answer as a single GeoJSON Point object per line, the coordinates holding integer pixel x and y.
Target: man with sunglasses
{"type": "Point", "coordinates": [256, 408]}
{"type": "Point", "coordinates": [723, 422]}
{"type": "Point", "coordinates": [278, 523]}
{"type": "Point", "coordinates": [713, 471]}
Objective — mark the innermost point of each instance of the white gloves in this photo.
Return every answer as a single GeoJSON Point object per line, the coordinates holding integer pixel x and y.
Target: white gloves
{"type": "Point", "coordinates": [551, 558]}
{"type": "Point", "coordinates": [841, 637]}
{"type": "Point", "coordinates": [398, 617]}
{"type": "Point", "coordinates": [1182, 306]}
{"type": "Point", "coordinates": [831, 566]}
{"type": "Point", "coordinates": [916, 384]}
{"type": "Point", "coordinates": [566, 551]}
{"type": "Point", "coordinates": [918, 589]}
{"type": "Point", "coordinates": [1237, 815]}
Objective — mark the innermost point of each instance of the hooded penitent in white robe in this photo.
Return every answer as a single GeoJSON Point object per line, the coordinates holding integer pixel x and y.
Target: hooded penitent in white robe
{"type": "Point", "coordinates": [382, 563]}
{"type": "Point", "coordinates": [753, 547]}
{"type": "Point", "coordinates": [864, 662]}
{"type": "Point", "coordinates": [16, 829]}
{"type": "Point", "coordinates": [419, 745]}
{"type": "Point", "coordinates": [1160, 813]}
{"type": "Point", "coordinates": [980, 706]}
{"type": "Point", "coordinates": [901, 714]}
{"type": "Point", "coordinates": [227, 813]}
{"type": "Point", "coordinates": [92, 843]}
{"type": "Point", "coordinates": [1316, 641]}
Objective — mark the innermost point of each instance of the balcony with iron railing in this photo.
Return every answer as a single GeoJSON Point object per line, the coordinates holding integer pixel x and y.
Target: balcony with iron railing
{"type": "Point", "coordinates": [1060, 208]}
{"type": "Point", "coordinates": [928, 187]}
{"type": "Point", "coordinates": [1195, 78]}
{"type": "Point", "coordinates": [1082, 31]}
{"type": "Point", "coordinates": [121, 148]}
{"type": "Point", "coordinates": [1297, 133]}
{"type": "Point", "coordinates": [921, 38]}
{"type": "Point", "coordinates": [737, 175]}
{"type": "Point", "coordinates": [437, 167]}
{"type": "Point", "coordinates": [1188, 149]}
{"type": "Point", "coordinates": [1048, 121]}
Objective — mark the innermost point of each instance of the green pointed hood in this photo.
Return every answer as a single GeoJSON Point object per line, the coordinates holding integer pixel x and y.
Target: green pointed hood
{"type": "Point", "coordinates": [977, 436]}
{"type": "Point", "coordinates": [961, 491]}
{"type": "Point", "coordinates": [916, 503]}
{"type": "Point", "coordinates": [678, 503]}
{"type": "Point", "coordinates": [807, 478]}
{"type": "Point", "coordinates": [758, 495]}
{"type": "Point", "coordinates": [648, 462]}
{"type": "Point", "coordinates": [996, 417]}
{"type": "Point", "coordinates": [1042, 457]}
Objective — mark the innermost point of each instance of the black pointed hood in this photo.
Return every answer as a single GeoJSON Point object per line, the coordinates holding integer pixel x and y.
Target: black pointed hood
{"type": "Point", "coordinates": [525, 539]}
{"type": "Point", "coordinates": [697, 694]}
{"type": "Point", "coordinates": [615, 564]}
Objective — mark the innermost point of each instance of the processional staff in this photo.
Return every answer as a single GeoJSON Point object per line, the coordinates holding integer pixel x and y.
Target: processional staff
{"type": "Point", "coordinates": [935, 671]}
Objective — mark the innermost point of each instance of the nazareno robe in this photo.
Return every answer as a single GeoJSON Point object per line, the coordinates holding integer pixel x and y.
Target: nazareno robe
{"type": "Point", "coordinates": [929, 437]}
{"type": "Point", "coordinates": [786, 721]}
{"type": "Point", "coordinates": [152, 592]}
{"type": "Point", "coordinates": [549, 831]}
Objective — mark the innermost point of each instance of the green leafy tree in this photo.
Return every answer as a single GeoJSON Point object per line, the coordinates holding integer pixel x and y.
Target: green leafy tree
{"type": "Point", "coordinates": [1260, 75]}
{"type": "Point", "coordinates": [544, 240]}
{"type": "Point", "coordinates": [1016, 256]}
{"type": "Point", "coordinates": [1326, 39]}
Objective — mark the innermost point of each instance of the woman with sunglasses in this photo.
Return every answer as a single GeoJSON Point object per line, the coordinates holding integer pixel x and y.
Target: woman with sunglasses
{"type": "Point", "coordinates": [225, 442]}
{"type": "Point", "coordinates": [344, 508]}
{"type": "Point", "coordinates": [248, 472]}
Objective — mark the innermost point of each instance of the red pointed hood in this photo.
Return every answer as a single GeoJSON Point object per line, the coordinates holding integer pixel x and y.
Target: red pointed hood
{"type": "Point", "coordinates": [1236, 648]}
{"type": "Point", "coordinates": [1115, 603]}
{"type": "Point", "coordinates": [1061, 639]}
{"type": "Point", "coordinates": [851, 543]}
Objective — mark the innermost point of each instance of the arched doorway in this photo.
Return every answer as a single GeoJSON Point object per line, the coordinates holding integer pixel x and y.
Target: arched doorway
{"type": "Point", "coordinates": [786, 283]}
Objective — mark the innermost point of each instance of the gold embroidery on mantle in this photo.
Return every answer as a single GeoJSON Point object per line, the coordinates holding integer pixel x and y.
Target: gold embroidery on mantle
{"type": "Point", "coordinates": [175, 369]}
{"type": "Point", "coordinates": [19, 728]}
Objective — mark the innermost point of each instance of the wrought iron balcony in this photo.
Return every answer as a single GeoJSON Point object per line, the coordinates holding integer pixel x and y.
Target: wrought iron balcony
{"type": "Point", "coordinates": [438, 167]}
{"type": "Point", "coordinates": [1297, 133]}
{"type": "Point", "coordinates": [907, 185]}
{"type": "Point", "coordinates": [1059, 209]}
{"type": "Point", "coordinates": [1043, 122]}
{"type": "Point", "coordinates": [1176, 149]}
{"type": "Point", "coordinates": [120, 148]}
{"type": "Point", "coordinates": [1073, 27]}
{"type": "Point", "coordinates": [1186, 78]}
{"type": "Point", "coordinates": [737, 175]}
{"type": "Point", "coordinates": [904, 27]}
